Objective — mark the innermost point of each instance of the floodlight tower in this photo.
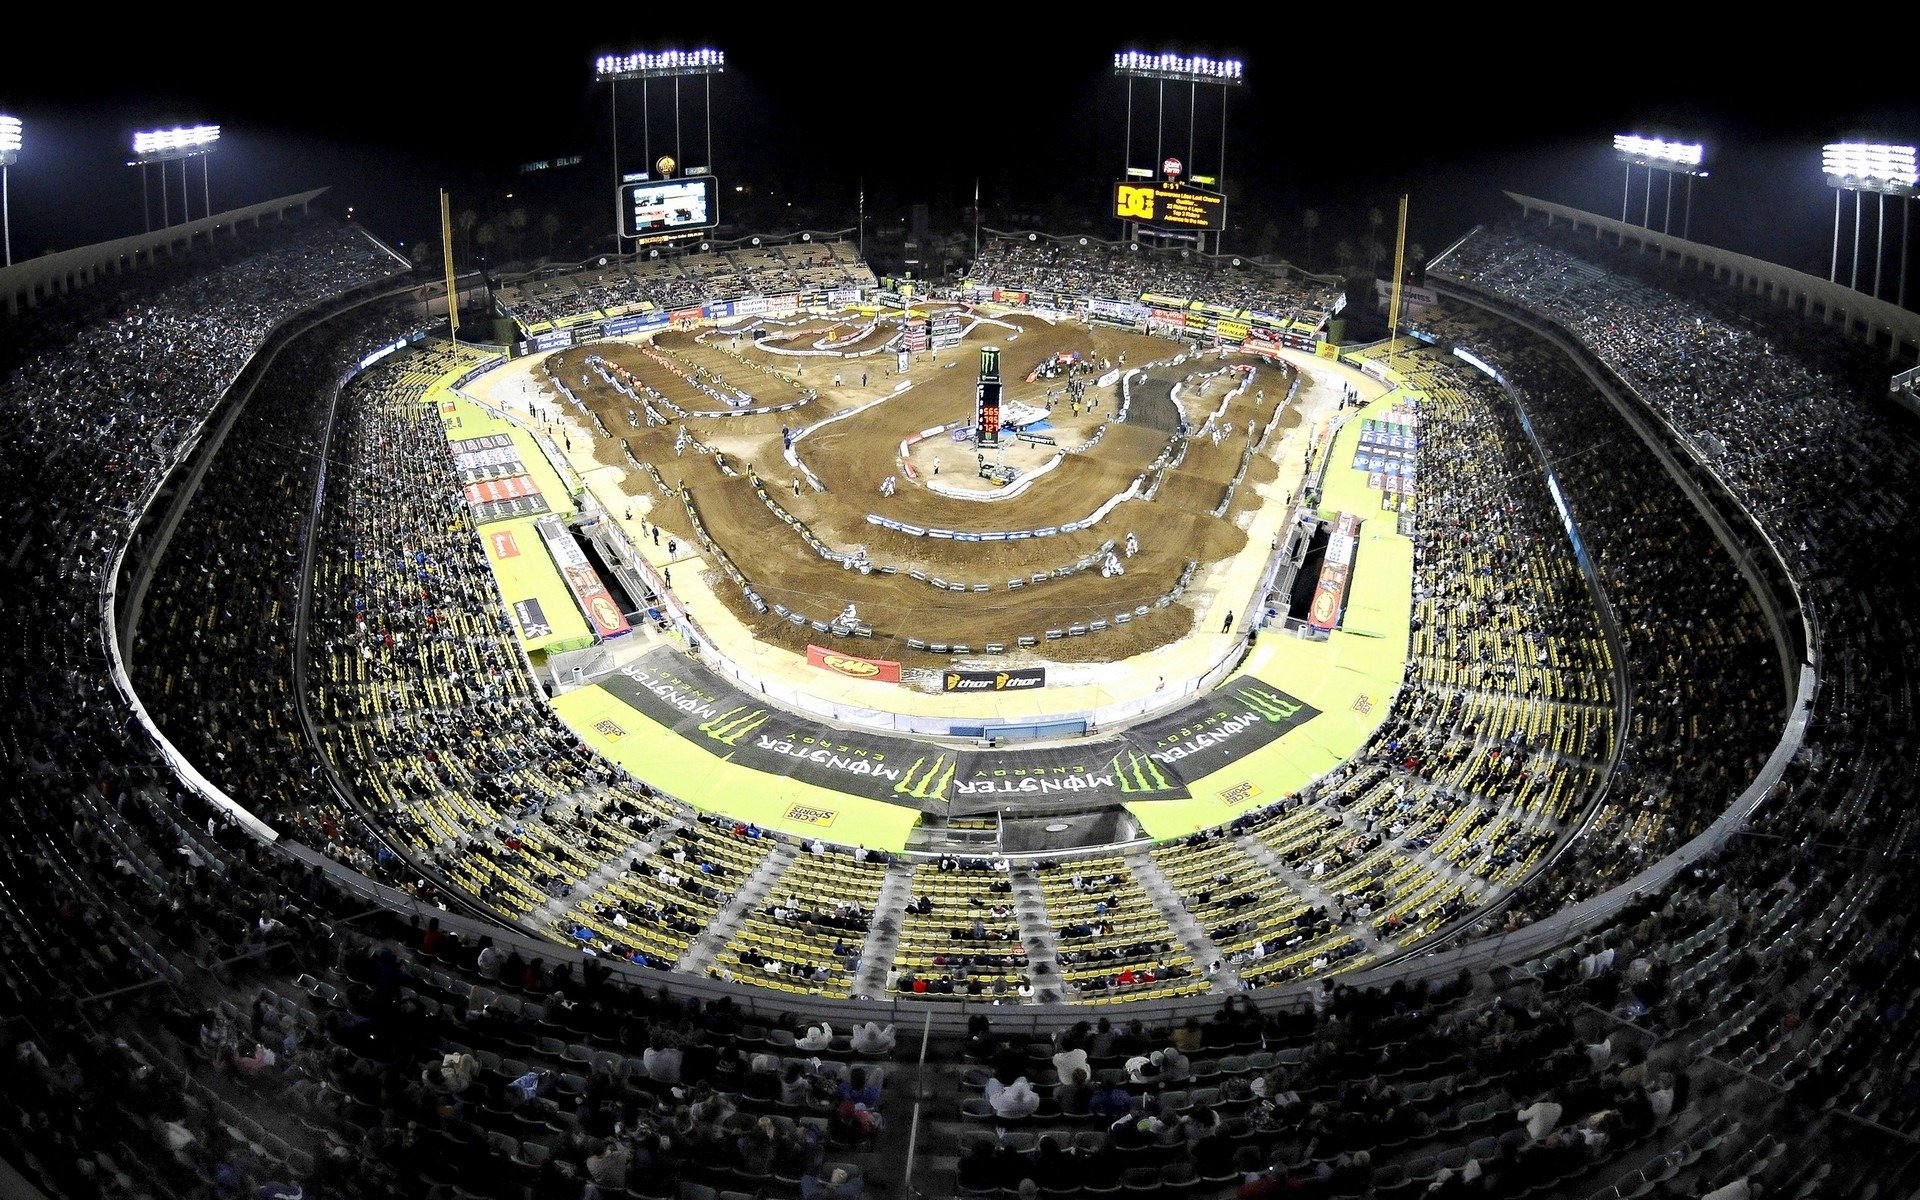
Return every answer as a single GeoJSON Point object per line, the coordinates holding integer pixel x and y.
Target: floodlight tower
{"type": "Point", "coordinates": [1656, 154]}
{"type": "Point", "coordinates": [1859, 167]}
{"type": "Point", "coordinates": [646, 65]}
{"type": "Point", "coordinates": [163, 146]}
{"type": "Point", "coordinates": [1193, 71]}
{"type": "Point", "coordinates": [9, 154]}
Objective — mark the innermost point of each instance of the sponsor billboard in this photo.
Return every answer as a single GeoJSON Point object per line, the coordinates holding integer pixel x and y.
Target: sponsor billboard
{"type": "Point", "coordinates": [512, 487]}
{"type": "Point", "coordinates": [555, 339]}
{"type": "Point", "coordinates": [582, 580]}
{"type": "Point", "coordinates": [1152, 761]}
{"type": "Point", "coordinates": [532, 618]}
{"type": "Point", "coordinates": [881, 670]}
{"type": "Point", "coordinates": [1330, 594]}
{"type": "Point", "coordinates": [624, 325]}
{"type": "Point", "coordinates": [1125, 312]}
{"type": "Point", "coordinates": [1018, 679]}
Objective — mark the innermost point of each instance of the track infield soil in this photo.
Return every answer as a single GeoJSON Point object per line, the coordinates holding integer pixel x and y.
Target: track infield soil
{"type": "Point", "coordinates": [853, 456]}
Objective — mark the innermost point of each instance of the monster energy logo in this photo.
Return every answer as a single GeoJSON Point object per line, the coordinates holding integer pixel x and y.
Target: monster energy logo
{"type": "Point", "coordinates": [1139, 773]}
{"type": "Point", "coordinates": [1271, 705]}
{"type": "Point", "coordinates": [930, 783]}
{"type": "Point", "coordinates": [730, 726]}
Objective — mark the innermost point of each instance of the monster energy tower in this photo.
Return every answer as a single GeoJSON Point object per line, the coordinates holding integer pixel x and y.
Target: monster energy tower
{"type": "Point", "coordinates": [986, 400]}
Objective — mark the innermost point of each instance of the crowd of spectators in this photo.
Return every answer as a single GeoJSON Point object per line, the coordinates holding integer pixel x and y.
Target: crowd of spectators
{"type": "Point", "coordinates": [191, 1012]}
{"type": "Point", "coordinates": [689, 279]}
{"type": "Point", "coordinates": [1080, 267]}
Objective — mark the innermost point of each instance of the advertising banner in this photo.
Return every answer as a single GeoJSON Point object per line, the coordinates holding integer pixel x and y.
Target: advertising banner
{"type": "Point", "coordinates": [880, 670]}
{"type": "Point", "coordinates": [1005, 296]}
{"type": "Point", "coordinates": [1017, 679]}
{"type": "Point", "coordinates": [1152, 761]}
{"type": "Point", "coordinates": [719, 310]}
{"type": "Point", "coordinates": [624, 325]}
{"type": "Point", "coordinates": [555, 339]}
{"type": "Point", "coordinates": [1123, 312]}
{"type": "Point", "coordinates": [582, 580]}
{"type": "Point", "coordinates": [532, 618]}
{"type": "Point", "coordinates": [687, 314]}
{"type": "Point", "coordinates": [511, 487]}
{"type": "Point", "coordinates": [1331, 592]}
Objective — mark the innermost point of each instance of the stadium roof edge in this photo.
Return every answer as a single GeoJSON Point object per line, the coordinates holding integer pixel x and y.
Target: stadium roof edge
{"type": "Point", "coordinates": [25, 283]}
{"type": "Point", "coordinates": [1867, 318]}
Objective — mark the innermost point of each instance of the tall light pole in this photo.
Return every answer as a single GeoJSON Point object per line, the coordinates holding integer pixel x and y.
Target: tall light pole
{"type": "Point", "coordinates": [645, 65]}
{"type": "Point", "coordinates": [9, 154]}
{"type": "Point", "coordinates": [1193, 71]}
{"type": "Point", "coordinates": [1861, 167]}
{"type": "Point", "coordinates": [162, 146]}
{"type": "Point", "coordinates": [1657, 154]}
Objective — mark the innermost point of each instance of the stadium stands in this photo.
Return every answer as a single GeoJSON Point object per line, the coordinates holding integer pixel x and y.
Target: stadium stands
{"type": "Point", "coordinates": [194, 1007]}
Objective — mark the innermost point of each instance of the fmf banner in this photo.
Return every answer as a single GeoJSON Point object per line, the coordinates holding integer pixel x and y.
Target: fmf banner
{"type": "Point", "coordinates": [582, 580]}
{"type": "Point", "coordinates": [881, 670]}
{"type": "Point", "coordinates": [1331, 593]}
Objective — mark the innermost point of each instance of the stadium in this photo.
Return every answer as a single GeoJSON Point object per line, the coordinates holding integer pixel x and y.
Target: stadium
{"type": "Point", "coordinates": [743, 711]}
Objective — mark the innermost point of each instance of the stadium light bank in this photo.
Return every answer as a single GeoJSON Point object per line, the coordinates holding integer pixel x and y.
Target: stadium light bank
{"type": "Point", "coordinates": [1859, 167]}
{"type": "Point", "coordinates": [10, 128]}
{"type": "Point", "coordinates": [1658, 154]}
{"type": "Point", "coordinates": [161, 146]}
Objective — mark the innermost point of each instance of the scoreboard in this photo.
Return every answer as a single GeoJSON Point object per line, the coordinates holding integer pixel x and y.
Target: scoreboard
{"type": "Point", "coordinates": [1169, 205]}
{"type": "Point", "coordinates": [667, 206]}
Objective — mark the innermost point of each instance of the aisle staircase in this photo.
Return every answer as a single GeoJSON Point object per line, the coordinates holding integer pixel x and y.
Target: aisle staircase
{"type": "Point", "coordinates": [1148, 875]}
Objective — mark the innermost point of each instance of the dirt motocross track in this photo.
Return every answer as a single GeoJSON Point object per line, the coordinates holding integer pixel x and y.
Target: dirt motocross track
{"type": "Point", "coordinates": [851, 458]}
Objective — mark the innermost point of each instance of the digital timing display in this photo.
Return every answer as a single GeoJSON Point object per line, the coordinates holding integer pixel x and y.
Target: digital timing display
{"type": "Point", "coordinates": [668, 206]}
{"type": "Point", "coordinates": [1169, 205]}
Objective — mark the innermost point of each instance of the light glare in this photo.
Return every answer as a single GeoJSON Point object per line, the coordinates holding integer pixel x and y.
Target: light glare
{"type": "Point", "coordinates": [9, 136]}
{"type": "Point", "coordinates": [163, 141]}
{"type": "Point", "coordinates": [1658, 152]}
{"type": "Point", "coordinates": [642, 62]}
{"type": "Point", "coordinates": [1199, 67]}
{"type": "Point", "coordinates": [1870, 166]}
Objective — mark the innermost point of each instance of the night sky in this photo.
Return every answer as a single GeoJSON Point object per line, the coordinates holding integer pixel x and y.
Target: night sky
{"type": "Point", "coordinates": [386, 116]}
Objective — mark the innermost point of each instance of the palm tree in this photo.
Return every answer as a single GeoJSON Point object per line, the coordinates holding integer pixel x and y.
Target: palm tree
{"type": "Point", "coordinates": [1376, 254]}
{"type": "Point", "coordinates": [1343, 254]}
{"type": "Point", "coordinates": [420, 252]}
{"type": "Point", "coordinates": [464, 221]}
{"type": "Point", "coordinates": [550, 228]}
{"type": "Point", "coordinates": [517, 222]}
{"type": "Point", "coordinates": [1310, 221]}
{"type": "Point", "coordinates": [484, 237]}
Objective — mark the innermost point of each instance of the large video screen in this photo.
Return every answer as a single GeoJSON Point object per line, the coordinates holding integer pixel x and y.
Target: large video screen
{"type": "Point", "coordinates": [1169, 206]}
{"type": "Point", "coordinates": [668, 206]}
